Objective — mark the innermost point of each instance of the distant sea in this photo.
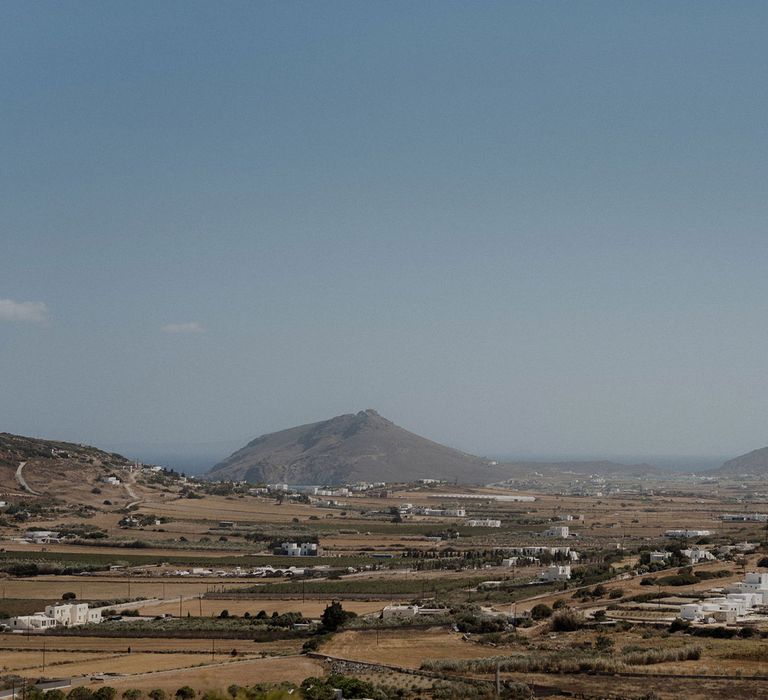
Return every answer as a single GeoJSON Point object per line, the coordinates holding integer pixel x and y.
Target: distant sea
{"type": "Point", "coordinates": [192, 461]}
{"type": "Point", "coordinates": [677, 463]}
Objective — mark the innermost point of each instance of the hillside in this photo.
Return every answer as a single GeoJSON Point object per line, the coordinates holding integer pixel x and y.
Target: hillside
{"type": "Point", "coordinates": [348, 448]}
{"type": "Point", "coordinates": [55, 469]}
{"type": "Point", "coordinates": [755, 462]}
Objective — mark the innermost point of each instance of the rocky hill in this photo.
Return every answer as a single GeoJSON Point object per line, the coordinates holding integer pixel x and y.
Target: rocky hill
{"type": "Point", "coordinates": [348, 448]}
{"type": "Point", "coordinates": [755, 462]}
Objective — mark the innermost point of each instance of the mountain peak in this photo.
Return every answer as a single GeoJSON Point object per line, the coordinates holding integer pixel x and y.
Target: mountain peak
{"type": "Point", "coordinates": [362, 446]}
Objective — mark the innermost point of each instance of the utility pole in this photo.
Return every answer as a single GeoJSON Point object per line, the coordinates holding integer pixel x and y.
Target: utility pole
{"type": "Point", "coordinates": [201, 604]}
{"type": "Point", "coordinates": [213, 649]}
{"type": "Point", "coordinates": [43, 656]}
{"type": "Point", "coordinates": [180, 598]}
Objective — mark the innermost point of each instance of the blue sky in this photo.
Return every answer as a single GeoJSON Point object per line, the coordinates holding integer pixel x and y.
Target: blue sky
{"type": "Point", "coordinates": [519, 228]}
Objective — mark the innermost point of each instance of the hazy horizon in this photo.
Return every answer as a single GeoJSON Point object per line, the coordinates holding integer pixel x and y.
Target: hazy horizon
{"type": "Point", "coordinates": [514, 228]}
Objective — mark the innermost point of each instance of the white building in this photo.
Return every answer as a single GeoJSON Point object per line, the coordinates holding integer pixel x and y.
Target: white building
{"type": "Point", "coordinates": [659, 557]}
{"type": "Point", "coordinates": [111, 479]}
{"type": "Point", "coordinates": [483, 522]}
{"type": "Point", "coordinates": [31, 623]}
{"type": "Point", "coordinates": [556, 573]}
{"type": "Point", "coordinates": [510, 561]}
{"type": "Point", "coordinates": [393, 611]}
{"type": "Point", "coordinates": [68, 614]}
{"type": "Point", "coordinates": [696, 555]}
{"type": "Point", "coordinates": [687, 533]}
{"type": "Point", "coordinates": [42, 536]}
{"type": "Point", "coordinates": [567, 552]}
{"type": "Point", "coordinates": [305, 549]}
{"type": "Point", "coordinates": [741, 599]}
{"type": "Point", "coordinates": [562, 531]}
{"type": "Point", "coordinates": [753, 583]}
{"type": "Point", "coordinates": [58, 614]}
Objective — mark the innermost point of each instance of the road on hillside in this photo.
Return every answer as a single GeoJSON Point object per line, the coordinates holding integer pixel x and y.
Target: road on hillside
{"type": "Point", "coordinates": [22, 481]}
{"type": "Point", "coordinates": [135, 500]}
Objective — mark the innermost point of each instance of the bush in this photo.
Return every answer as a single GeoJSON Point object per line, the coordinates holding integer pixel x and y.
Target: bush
{"type": "Point", "coordinates": [616, 593]}
{"type": "Point", "coordinates": [106, 692]}
{"type": "Point", "coordinates": [131, 694]}
{"type": "Point", "coordinates": [185, 693]}
{"type": "Point", "coordinates": [566, 621]}
{"type": "Point", "coordinates": [80, 693]}
{"type": "Point", "coordinates": [69, 595]}
{"type": "Point", "coordinates": [541, 611]}
{"type": "Point", "coordinates": [157, 694]}
{"type": "Point", "coordinates": [334, 616]}
{"type": "Point", "coordinates": [679, 625]}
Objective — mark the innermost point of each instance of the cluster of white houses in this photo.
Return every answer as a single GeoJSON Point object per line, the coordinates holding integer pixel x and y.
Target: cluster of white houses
{"type": "Point", "coordinates": [557, 553]}
{"type": "Point", "coordinates": [695, 555]}
{"type": "Point", "coordinates": [740, 599]}
{"type": "Point", "coordinates": [745, 517]}
{"type": "Point", "coordinates": [483, 522]}
{"type": "Point", "coordinates": [410, 509]}
{"type": "Point", "coordinates": [56, 615]}
{"type": "Point", "coordinates": [305, 549]}
{"type": "Point", "coordinates": [687, 533]}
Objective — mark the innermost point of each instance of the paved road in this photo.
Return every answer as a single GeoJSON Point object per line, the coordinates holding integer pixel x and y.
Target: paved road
{"type": "Point", "coordinates": [22, 481]}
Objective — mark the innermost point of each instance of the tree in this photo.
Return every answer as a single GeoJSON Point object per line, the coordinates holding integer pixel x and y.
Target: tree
{"type": "Point", "coordinates": [185, 693]}
{"type": "Point", "coordinates": [69, 595]}
{"type": "Point", "coordinates": [55, 694]}
{"type": "Point", "coordinates": [334, 616]}
{"type": "Point", "coordinates": [540, 611]}
{"type": "Point", "coordinates": [80, 693]}
{"type": "Point", "coordinates": [224, 614]}
{"type": "Point", "coordinates": [157, 694]}
{"type": "Point", "coordinates": [106, 692]}
{"type": "Point", "coordinates": [233, 690]}
{"type": "Point", "coordinates": [131, 694]}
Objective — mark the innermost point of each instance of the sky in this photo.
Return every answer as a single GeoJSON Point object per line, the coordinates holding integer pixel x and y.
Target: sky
{"type": "Point", "coordinates": [519, 228]}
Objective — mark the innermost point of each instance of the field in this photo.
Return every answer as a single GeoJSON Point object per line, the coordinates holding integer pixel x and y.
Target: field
{"type": "Point", "coordinates": [371, 560]}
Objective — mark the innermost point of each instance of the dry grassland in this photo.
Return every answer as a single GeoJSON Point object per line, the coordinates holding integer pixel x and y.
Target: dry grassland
{"type": "Point", "coordinates": [90, 588]}
{"type": "Point", "coordinates": [274, 670]}
{"type": "Point", "coordinates": [17, 642]}
{"type": "Point", "coordinates": [406, 647]}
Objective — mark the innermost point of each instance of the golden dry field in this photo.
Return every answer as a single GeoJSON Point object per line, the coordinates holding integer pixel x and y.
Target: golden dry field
{"type": "Point", "coordinates": [219, 676]}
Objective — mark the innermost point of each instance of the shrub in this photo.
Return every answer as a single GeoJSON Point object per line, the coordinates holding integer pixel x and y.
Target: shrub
{"type": "Point", "coordinates": [616, 593]}
{"type": "Point", "coordinates": [69, 595]}
{"type": "Point", "coordinates": [541, 611]}
{"type": "Point", "coordinates": [106, 692]}
{"type": "Point", "coordinates": [679, 625]}
{"type": "Point", "coordinates": [157, 694]}
{"type": "Point", "coordinates": [334, 616]}
{"type": "Point", "coordinates": [80, 693]}
{"type": "Point", "coordinates": [131, 694]}
{"type": "Point", "coordinates": [185, 693]}
{"type": "Point", "coordinates": [566, 621]}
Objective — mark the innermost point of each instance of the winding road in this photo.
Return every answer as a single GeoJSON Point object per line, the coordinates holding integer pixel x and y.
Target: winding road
{"type": "Point", "coordinates": [131, 493]}
{"type": "Point", "coordinates": [22, 481]}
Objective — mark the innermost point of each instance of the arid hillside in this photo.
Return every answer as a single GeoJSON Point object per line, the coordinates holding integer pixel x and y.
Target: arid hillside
{"type": "Point", "coordinates": [53, 469]}
{"type": "Point", "coordinates": [352, 447]}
